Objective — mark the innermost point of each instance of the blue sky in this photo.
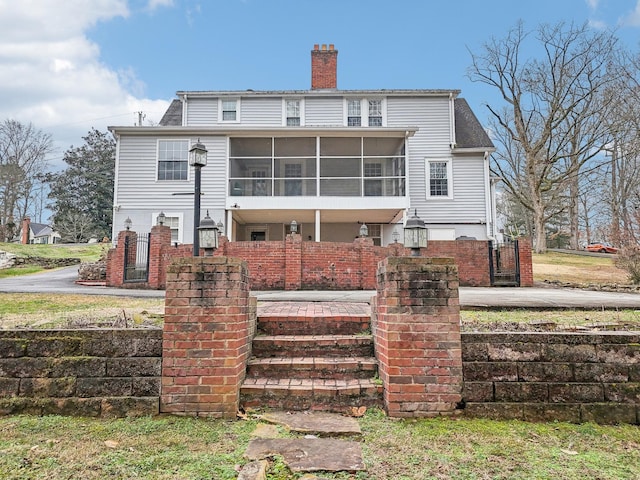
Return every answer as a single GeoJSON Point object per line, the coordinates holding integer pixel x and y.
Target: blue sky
{"type": "Point", "coordinates": [69, 66]}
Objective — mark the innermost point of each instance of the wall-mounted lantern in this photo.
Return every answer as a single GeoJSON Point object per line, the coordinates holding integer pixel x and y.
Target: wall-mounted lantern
{"type": "Point", "coordinates": [415, 234]}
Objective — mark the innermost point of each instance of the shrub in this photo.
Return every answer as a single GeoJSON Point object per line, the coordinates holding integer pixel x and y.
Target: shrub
{"type": "Point", "coordinates": [629, 260]}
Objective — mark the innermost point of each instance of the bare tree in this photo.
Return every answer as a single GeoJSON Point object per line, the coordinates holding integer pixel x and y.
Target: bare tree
{"type": "Point", "coordinates": [546, 131]}
{"type": "Point", "coordinates": [23, 152]}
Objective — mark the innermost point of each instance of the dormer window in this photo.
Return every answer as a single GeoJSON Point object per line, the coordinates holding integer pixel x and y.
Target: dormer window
{"type": "Point", "coordinates": [354, 113]}
{"type": "Point", "coordinates": [229, 107]}
{"type": "Point", "coordinates": [293, 113]}
{"type": "Point", "coordinates": [375, 113]}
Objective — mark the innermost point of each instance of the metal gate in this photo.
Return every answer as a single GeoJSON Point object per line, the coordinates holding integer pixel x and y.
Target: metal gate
{"type": "Point", "coordinates": [136, 258]}
{"type": "Point", "coordinates": [504, 264]}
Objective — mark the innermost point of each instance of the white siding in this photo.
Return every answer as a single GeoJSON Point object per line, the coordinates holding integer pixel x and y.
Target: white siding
{"type": "Point", "coordinates": [202, 111]}
{"type": "Point", "coordinates": [261, 111]}
{"type": "Point", "coordinates": [431, 141]}
{"type": "Point", "coordinates": [323, 112]}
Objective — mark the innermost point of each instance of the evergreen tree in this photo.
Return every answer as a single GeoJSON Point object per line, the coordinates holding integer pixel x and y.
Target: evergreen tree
{"type": "Point", "coordinates": [82, 194]}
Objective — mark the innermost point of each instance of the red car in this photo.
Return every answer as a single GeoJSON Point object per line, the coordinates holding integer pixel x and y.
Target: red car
{"type": "Point", "coordinates": [601, 247]}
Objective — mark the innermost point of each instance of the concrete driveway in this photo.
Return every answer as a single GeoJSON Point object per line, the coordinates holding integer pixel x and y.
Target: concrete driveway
{"type": "Point", "coordinates": [62, 281]}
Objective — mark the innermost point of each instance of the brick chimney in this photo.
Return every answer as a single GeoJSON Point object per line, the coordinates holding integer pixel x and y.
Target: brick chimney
{"type": "Point", "coordinates": [324, 67]}
{"type": "Point", "coordinates": [26, 222]}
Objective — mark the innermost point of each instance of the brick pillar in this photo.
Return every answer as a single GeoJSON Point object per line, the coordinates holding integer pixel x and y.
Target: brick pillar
{"type": "Point", "coordinates": [417, 336]}
{"type": "Point", "coordinates": [159, 240]}
{"type": "Point", "coordinates": [526, 266]}
{"type": "Point", "coordinates": [115, 258]}
{"type": "Point", "coordinates": [293, 262]}
{"type": "Point", "coordinates": [368, 263]}
{"type": "Point", "coordinates": [208, 329]}
{"type": "Point", "coordinates": [26, 230]}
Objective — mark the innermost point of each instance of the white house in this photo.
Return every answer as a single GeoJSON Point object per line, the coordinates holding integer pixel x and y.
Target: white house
{"type": "Point", "coordinates": [329, 159]}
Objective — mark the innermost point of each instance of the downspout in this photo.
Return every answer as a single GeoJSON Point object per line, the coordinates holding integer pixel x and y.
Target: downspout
{"type": "Point", "coordinates": [490, 198]}
{"type": "Point", "coordinates": [452, 120]}
{"type": "Point", "coordinates": [184, 110]}
{"type": "Point", "coordinates": [116, 204]}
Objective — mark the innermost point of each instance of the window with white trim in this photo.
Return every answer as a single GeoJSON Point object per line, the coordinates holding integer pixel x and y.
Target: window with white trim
{"type": "Point", "coordinates": [173, 159]}
{"type": "Point", "coordinates": [354, 113]}
{"type": "Point", "coordinates": [229, 107]}
{"type": "Point", "coordinates": [172, 221]}
{"type": "Point", "coordinates": [375, 233]}
{"type": "Point", "coordinates": [293, 113]}
{"type": "Point", "coordinates": [439, 172]}
{"type": "Point", "coordinates": [375, 113]}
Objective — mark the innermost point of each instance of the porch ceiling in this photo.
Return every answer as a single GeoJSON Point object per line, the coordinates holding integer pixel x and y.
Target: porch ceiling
{"type": "Point", "coordinates": [326, 216]}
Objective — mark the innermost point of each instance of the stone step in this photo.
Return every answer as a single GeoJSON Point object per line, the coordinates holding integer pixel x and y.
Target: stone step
{"type": "Point", "coordinates": [314, 325]}
{"type": "Point", "coordinates": [313, 346]}
{"type": "Point", "coordinates": [310, 394]}
{"type": "Point", "coordinates": [337, 368]}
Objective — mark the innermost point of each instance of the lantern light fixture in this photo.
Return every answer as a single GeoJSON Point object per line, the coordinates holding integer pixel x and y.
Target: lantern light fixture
{"type": "Point", "coordinates": [415, 234]}
{"type": "Point", "coordinates": [128, 223]}
{"type": "Point", "coordinates": [364, 230]}
{"type": "Point", "coordinates": [293, 226]}
{"type": "Point", "coordinates": [161, 218]}
{"type": "Point", "coordinates": [208, 235]}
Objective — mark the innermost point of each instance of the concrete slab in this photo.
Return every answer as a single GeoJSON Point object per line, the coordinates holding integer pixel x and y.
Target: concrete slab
{"type": "Point", "coordinates": [264, 430]}
{"type": "Point", "coordinates": [310, 454]}
{"type": "Point", "coordinates": [316, 423]}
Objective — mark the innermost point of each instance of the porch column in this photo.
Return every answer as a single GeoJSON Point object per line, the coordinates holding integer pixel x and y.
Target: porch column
{"type": "Point", "coordinates": [229, 226]}
{"type": "Point", "coordinates": [317, 225]}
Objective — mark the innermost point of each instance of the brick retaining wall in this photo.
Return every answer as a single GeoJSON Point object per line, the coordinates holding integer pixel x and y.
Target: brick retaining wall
{"type": "Point", "coordinates": [293, 264]}
{"type": "Point", "coordinates": [574, 377]}
{"type": "Point", "coordinates": [108, 373]}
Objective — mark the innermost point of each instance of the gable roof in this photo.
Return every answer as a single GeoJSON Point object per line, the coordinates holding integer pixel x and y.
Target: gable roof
{"type": "Point", "coordinates": [40, 229]}
{"type": "Point", "coordinates": [469, 131]}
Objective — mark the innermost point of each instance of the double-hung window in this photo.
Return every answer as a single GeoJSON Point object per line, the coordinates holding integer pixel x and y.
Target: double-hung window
{"type": "Point", "coordinates": [354, 113]}
{"type": "Point", "coordinates": [293, 113]}
{"type": "Point", "coordinates": [439, 179]}
{"type": "Point", "coordinates": [173, 159]}
{"type": "Point", "coordinates": [229, 108]}
{"type": "Point", "coordinates": [375, 113]}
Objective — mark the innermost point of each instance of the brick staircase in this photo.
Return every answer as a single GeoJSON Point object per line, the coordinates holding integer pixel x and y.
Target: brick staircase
{"type": "Point", "coordinates": [315, 356]}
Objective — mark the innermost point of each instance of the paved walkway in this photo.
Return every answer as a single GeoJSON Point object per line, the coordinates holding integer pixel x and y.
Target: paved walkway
{"type": "Point", "coordinates": [62, 281]}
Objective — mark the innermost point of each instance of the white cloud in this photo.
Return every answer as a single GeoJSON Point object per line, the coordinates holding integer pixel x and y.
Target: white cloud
{"type": "Point", "coordinates": [51, 74]}
{"type": "Point", "coordinates": [153, 4]}
{"type": "Point", "coordinates": [593, 4]}
{"type": "Point", "coordinates": [632, 19]}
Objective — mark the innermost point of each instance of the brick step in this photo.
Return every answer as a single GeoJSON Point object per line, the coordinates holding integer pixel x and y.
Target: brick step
{"type": "Point", "coordinates": [313, 346]}
{"type": "Point", "coordinates": [336, 368]}
{"type": "Point", "coordinates": [314, 325]}
{"type": "Point", "coordinates": [310, 394]}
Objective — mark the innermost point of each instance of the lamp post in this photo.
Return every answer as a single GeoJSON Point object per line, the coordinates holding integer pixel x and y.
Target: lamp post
{"type": "Point", "coordinates": [415, 234]}
{"type": "Point", "coordinates": [364, 230]}
{"type": "Point", "coordinates": [198, 159]}
{"type": "Point", "coordinates": [208, 235]}
{"type": "Point", "coordinates": [128, 223]}
{"type": "Point", "coordinates": [293, 227]}
{"type": "Point", "coordinates": [161, 218]}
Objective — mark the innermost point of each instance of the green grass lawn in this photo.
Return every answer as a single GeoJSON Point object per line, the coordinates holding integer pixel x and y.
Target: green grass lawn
{"type": "Point", "coordinates": [89, 252]}
{"type": "Point", "coordinates": [54, 447]}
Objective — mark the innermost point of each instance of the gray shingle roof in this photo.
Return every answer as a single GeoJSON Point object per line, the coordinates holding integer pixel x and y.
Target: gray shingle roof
{"type": "Point", "coordinates": [469, 131]}
{"type": "Point", "coordinates": [40, 229]}
{"type": "Point", "coordinates": [173, 115]}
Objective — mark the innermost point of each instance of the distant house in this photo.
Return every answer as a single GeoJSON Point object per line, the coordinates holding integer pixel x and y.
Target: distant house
{"type": "Point", "coordinates": [39, 233]}
{"type": "Point", "coordinates": [329, 159]}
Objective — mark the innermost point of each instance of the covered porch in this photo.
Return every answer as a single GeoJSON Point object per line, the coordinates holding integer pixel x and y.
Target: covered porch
{"type": "Point", "coordinates": [383, 225]}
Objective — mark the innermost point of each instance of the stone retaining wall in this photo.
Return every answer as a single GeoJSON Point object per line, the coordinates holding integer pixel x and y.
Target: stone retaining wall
{"type": "Point", "coordinates": [97, 372]}
{"type": "Point", "coordinates": [574, 377]}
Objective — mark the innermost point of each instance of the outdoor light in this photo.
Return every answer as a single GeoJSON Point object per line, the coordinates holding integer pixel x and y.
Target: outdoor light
{"type": "Point", "coordinates": [364, 230]}
{"type": "Point", "coordinates": [208, 235]}
{"type": "Point", "coordinates": [161, 218]}
{"type": "Point", "coordinates": [415, 234]}
{"type": "Point", "coordinates": [198, 159]}
{"type": "Point", "coordinates": [395, 235]}
{"type": "Point", "coordinates": [220, 228]}
{"type": "Point", "coordinates": [128, 223]}
{"type": "Point", "coordinates": [198, 155]}
{"type": "Point", "coordinates": [294, 226]}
